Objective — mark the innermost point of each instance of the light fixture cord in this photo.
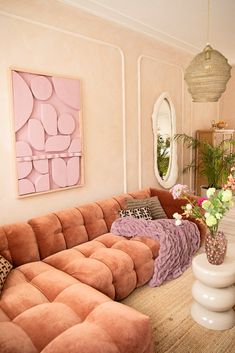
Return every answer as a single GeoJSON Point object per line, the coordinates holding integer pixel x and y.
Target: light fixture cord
{"type": "Point", "coordinates": [208, 21]}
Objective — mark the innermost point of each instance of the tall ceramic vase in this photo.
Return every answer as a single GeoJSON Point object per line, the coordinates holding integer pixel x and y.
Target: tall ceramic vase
{"type": "Point", "coordinates": [215, 247]}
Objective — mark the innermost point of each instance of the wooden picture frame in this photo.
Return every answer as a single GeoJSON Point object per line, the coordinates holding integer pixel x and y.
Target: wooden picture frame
{"type": "Point", "coordinates": [47, 122]}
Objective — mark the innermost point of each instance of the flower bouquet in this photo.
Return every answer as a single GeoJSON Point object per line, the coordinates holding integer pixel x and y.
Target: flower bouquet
{"type": "Point", "coordinates": [230, 185]}
{"type": "Point", "coordinates": [209, 211]}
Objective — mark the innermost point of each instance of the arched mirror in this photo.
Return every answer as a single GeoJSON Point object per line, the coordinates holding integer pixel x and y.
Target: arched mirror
{"type": "Point", "coordinates": [165, 148]}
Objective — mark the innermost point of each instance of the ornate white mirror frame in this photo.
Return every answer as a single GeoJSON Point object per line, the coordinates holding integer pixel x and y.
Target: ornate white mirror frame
{"type": "Point", "coordinates": [168, 180]}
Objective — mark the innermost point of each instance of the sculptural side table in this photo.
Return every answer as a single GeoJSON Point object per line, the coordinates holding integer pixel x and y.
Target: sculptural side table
{"type": "Point", "coordinates": [214, 291]}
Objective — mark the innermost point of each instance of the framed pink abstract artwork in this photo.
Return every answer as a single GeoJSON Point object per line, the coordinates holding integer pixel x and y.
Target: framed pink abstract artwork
{"type": "Point", "coordinates": [48, 132]}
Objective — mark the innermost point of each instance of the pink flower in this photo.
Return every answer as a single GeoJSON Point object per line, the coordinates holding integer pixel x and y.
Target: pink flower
{"type": "Point", "coordinates": [200, 201]}
{"type": "Point", "coordinates": [230, 181]}
{"type": "Point", "coordinates": [179, 190]}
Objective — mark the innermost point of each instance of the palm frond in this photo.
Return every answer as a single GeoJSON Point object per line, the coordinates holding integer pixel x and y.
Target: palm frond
{"type": "Point", "coordinates": [216, 161]}
{"type": "Point", "coordinates": [189, 141]}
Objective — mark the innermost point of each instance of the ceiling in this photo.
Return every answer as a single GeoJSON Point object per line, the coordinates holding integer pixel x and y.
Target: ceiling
{"type": "Point", "coordinates": [182, 23]}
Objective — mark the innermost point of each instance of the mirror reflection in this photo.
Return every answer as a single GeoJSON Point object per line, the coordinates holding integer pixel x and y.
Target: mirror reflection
{"type": "Point", "coordinates": [163, 139]}
{"type": "Point", "coordinates": [164, 146]}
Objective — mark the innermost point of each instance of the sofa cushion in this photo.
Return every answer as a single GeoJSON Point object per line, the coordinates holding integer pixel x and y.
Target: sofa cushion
{"type": "Point", "coordinates": [121, 267]}
{"type": "Point", "coordinates": [140, 194]}
{"type": "Point", "coordinates": [72, 223]}
{"type": "Point", "coordinates": [89, 271]}
{"type": "Point", "coordinates": [172, 205]}
{"type": "Point", "coordinates": [93, 220]}
{"type": "Point", "coordinates": [5, 268]}
{"type": "Point", "coordinates": [143, 266]}
{"type": "Point", "coordinates": [18, 243]}
{"type": "Point", "coordinates": [169, 204]}
{"type": "Point", "coordinates": [110, 264]}
{"type": "Point", "coordinates": [49, 234]}
{"type": "Point", "coordinates": [140, 212]}
{"type": "Point", "coordinates": [43, 309]}
{"type": "Point", "coordinates": [110, 209]}
{"type": "Point", "coordinates": [109, 328]}
{"type": "Point", "coordinates": [153, 203]}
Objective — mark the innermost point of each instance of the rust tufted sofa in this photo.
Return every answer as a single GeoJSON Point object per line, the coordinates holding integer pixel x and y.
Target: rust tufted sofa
{"type": "Point", "coordinates": [68, 270]}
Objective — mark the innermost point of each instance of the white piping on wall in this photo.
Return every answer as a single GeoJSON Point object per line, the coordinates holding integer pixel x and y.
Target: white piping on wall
{"type": "Point", "coordinates": [191, 186]}
{"type": "Point", "coordinates": [139, 109]}
{"type": "Point", "coordinates": [101, 42]}
{"type": "Point", "coordinates": [108, 13]}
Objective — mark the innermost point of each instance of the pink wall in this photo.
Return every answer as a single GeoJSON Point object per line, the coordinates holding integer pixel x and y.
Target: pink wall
{"type": "Point", "coordinates": [122, 73]}
{"type": "Point", "coordinates": [227, 102]}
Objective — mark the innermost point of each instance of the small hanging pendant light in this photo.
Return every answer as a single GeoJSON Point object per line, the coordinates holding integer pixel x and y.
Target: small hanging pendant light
{"type": "Point", "coordinates": [207, 74]}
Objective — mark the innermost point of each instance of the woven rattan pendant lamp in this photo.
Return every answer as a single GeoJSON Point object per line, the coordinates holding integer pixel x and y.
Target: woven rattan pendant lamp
{"type": "Point", "coordinates": [208, 73]}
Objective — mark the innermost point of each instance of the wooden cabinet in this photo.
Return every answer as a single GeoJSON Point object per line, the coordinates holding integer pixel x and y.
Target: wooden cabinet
{"type": "Point", "coordinates": [214, 137]}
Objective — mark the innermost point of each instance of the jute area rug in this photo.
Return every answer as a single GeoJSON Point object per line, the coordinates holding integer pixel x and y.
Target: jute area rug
{"type": "Point", "coordinates": [174, 331]}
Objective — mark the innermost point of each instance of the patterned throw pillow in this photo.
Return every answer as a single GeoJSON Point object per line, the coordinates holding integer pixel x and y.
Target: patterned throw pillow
{"type": "Point", "coordinates": [140, 212]}
{"type": "Point", "coordinates": [153, 203]}
{"type": "Point", "coordinates": [5, 268]}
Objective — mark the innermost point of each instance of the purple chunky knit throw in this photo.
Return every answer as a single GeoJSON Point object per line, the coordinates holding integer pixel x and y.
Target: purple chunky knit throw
{"type": "Point", "coordinates": [177, 243]}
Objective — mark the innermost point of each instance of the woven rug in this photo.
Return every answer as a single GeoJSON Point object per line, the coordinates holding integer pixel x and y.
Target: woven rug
{"type": "Point", "coordinates": [174, 331]}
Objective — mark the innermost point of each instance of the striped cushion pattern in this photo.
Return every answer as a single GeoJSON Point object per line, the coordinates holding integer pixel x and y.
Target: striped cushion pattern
{"type": "Point", "coordinates": [156, 210]}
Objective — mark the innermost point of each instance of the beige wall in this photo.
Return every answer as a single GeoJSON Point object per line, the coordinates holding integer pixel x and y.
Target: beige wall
{"type": "Point", "coordinates": [227, 102]}
{"type": "Point", "coordinates": [122, 74]}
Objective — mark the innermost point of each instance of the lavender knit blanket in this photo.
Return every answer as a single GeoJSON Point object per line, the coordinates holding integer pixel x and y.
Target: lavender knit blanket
{"type": "Point", "coordinates": [177, 243]}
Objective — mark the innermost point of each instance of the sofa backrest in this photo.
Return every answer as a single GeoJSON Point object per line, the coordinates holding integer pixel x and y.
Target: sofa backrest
{"type": "Point", "coordinates": [169, 204]}
{"type": "Point", "coordinates": [43, 236]}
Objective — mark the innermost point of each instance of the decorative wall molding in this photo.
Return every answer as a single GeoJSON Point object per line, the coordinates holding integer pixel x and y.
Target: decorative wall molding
{"type": "Point", "coordinates": [139, 61]}
{"type": "Point", "coordinates": [97, 41]}
{"type": "Point", "coordinates": [108, 13]}
{"type": "Point", "coordinates": [191, 179]}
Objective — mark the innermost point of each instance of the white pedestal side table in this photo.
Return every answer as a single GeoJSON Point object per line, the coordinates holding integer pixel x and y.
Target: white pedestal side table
{"type": "Point", "coordinates": [214, 291]}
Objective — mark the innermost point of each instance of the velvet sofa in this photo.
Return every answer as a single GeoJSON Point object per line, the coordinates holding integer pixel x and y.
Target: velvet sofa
{"type": "Point", "coordinates": [68, 273]}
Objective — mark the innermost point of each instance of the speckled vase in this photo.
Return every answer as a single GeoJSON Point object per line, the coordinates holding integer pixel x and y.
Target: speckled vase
{"type": "Point", "coordinates": [215, 248]}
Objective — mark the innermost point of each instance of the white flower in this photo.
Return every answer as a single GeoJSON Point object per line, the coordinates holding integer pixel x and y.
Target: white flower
{"type": "Point", "coordinates": [207, 214]}
{"type": "Point", "coordinates": [227, 195]}
{"type": "Point", "coordinates": [187, 213]}
{"type": "Point", "coordinates": [177, 216]}
{"type": "Point", "coordinates": [211, 221]}
{"type": "Point", "coordinates": [210, 192]}
{"type": "Point", "coordinates": [218, 215]}
{"type": "Point", "coordinates": [206, 204]}
{"type": "Point", "coordinates": [188, 207]}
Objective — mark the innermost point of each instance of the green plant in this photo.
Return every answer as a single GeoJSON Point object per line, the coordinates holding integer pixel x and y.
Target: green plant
{"type": "Point", "coordinates": [215, 161]}
{"type": "Point", "coordinates": [163, 158]}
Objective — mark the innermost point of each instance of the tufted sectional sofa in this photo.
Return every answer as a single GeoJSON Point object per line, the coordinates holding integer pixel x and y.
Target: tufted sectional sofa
{"type": "Point", "coordinates": [68, 274]}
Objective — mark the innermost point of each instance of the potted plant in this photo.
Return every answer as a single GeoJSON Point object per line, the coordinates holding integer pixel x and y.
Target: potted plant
{"type": "Point", "coordinates": [215, 162]}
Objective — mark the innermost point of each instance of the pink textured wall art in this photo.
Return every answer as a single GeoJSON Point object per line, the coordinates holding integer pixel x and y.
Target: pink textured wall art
{"type": "Point", "coordinates": [48, 132]}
